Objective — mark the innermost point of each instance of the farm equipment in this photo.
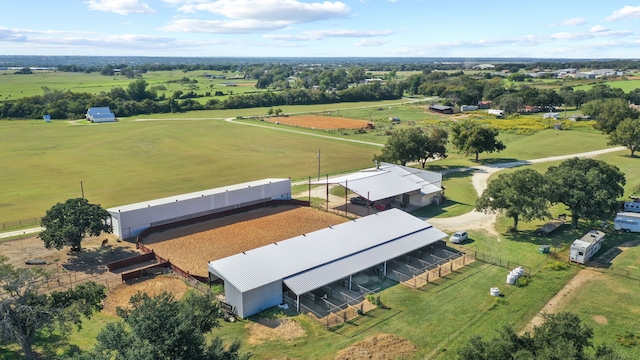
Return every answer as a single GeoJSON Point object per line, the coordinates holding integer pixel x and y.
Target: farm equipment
{"type": "Point", "coordinates": [552, 225]}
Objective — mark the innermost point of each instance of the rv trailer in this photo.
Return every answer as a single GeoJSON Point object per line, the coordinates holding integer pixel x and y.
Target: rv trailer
{"type": "Point", "coordinates": [584, 248]}
{"type": "Point", "coordinates": [627, 222]}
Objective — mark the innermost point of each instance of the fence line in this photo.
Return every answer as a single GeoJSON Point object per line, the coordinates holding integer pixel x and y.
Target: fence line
{"type": "Point", "coordinates": [63, 280]}
{"type": "Point", "coordinates": [15, 224]}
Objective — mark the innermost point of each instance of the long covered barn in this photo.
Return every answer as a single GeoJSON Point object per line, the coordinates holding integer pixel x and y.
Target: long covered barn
{"type": "Point", "coordinates": [257, 279]}
{"type": "Point", "coordinates": [130, 220]}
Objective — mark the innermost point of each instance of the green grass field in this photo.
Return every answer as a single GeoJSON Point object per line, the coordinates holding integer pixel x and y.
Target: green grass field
{"type": "Point", "coordinates": [625, 85]}
{"type": "Point", "coordinates": [14, 86]}
{"type": "Point", "coordinates": [126, 162]}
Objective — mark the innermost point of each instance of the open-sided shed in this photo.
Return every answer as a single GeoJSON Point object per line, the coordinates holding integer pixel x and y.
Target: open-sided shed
{"type": "Point", "coordinates": [254, 279]}
{"type": "Point", "coordinates": [403, 184]}
{"type": "Point", "coordinates": [130, 220]}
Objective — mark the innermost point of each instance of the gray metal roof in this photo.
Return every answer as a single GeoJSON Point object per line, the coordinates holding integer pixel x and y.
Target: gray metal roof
{"type": "Point", "coordinates": [197, 194]}
{"type": "Point", "coordinates": [264, 265]}
{"type": "Point", "coordinates": [388, 180]}
{"type": "Point", "coordinates": [339, 269]}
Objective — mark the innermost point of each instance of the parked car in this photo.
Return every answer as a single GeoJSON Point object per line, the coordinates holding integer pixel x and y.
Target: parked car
{"type": "Point", "coordinates": [359, 200]}
{"type": "Point", "coordinates": [459, 237]}
{"type": "Point", "coordinates": [382, 206]}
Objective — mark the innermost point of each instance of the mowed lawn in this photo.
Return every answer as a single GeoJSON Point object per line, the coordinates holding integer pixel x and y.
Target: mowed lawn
{"type": "Point", "coordinates": [125, 162]}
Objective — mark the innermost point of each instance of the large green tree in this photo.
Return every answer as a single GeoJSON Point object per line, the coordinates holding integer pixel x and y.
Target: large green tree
{"type": "Point", "coordinates": [403, 146]}
{"type": "Point", "coordinates": [472, 138]}
{"type": "Point", "coordinates": [520, 195]}
{"type": "Point", "coordinates": [627, 134]}
{"type": "Point", "coordinates": [562, 336]}
{"type": "Point", "coordinates": [66, 224]}
{"type": "Point", "coordinates": [415, 145]}
{"type": "Point", "coordinates": [160, 327]}
{"type": "Point", "coordinates": [608, 113]}
{"type": "Point", "coordinates": [589, 188]}
{"type": "Point", "coordinates": [26, 309]}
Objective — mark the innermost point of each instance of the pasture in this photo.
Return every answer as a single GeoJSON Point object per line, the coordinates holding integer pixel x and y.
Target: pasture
{"type": "Point", "coordinates": [625, 85]}
{"type": "Point", "coordinates": [14, 86]}
{"type": "Point", "coordinates": [128, 161]}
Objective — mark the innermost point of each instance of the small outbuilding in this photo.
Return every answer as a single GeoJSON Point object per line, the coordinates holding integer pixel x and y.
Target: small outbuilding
{"type": "Point", "coordinates": [100, 115]}
{"type": "Point", "coordinates": [442, 109]}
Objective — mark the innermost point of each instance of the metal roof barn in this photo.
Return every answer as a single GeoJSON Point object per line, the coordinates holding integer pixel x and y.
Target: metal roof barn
{"type": "Point", "coordinates": [253, 279]}
{"type": "Point", "coordinates": [130, 220]}
{"type": "Point", "coordinates": [100, 114]}
{"type": "Point", "coordinates": [392, 181]}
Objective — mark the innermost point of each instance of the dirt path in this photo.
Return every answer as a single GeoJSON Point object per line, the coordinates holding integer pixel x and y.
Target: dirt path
{"type": "Point", "coordinates": [563, 297]}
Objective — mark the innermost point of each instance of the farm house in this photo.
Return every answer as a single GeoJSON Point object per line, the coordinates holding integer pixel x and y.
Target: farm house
{"type": "Point", "coordinates": [257, 279]}
{"type": "Point", "coordinates": [130, 220]}
{"type": "Point", "coordinates": [100, 114]}
{"type": "Point", "coordinates": [393, 183]}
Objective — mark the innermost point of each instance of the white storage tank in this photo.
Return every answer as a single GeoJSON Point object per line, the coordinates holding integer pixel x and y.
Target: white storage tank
{"type": "Point", "coordinates": [494, 291]}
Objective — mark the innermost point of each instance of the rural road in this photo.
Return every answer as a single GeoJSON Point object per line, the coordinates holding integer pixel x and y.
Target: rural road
{"type": "Point", "coordinates": [475, 220]}
{"type": "Point", "coordinates": [8, 234]}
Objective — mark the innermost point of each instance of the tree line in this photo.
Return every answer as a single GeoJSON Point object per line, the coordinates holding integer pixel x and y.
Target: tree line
{"type": "Point", "coordinates": [139, 98]}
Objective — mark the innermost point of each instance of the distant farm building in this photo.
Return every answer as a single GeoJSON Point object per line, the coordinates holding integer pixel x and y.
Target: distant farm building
{"type": "Point", "coordinates": [551, 115]}
{"type": "Point", "coordinates": [483, 67]}
{"type": "Point", "coordinates": [100, 115]}
{"type": "Point", "coordinates": [468, 107]}
{"type": "Point", "coordinates": [484, 104]}
{"type": "Point", "coordinates": [442, 109]}
{"type": "Point", "coordinates": [303, 267]}
{"type": "Point", "coordinates": [130, 220]}
{"type": "Point", "coordinates": [528, 109]}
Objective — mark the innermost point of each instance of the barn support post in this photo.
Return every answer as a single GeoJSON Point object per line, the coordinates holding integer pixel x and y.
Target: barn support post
{"type": "Point", "coordinates": [327, 202]}
{"type": "Point", "coordinates": [309, 189]}
{"type": "Point", "coordinates": [297, 303]}
{"type": "Point", "coordinates": [346, 189]}
{"type": "Point", "coordinates": [368, 205]}
{"type": "Point", "coordinates": [349, 282]}
{"type": "Point", "coordinates": [384, 270]}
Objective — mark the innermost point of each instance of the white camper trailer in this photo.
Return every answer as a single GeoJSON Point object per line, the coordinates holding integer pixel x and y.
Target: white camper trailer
{"type": "Point", "coordinates": [584, 248]}
{"type": "Point", "coordinates": [627, 222]}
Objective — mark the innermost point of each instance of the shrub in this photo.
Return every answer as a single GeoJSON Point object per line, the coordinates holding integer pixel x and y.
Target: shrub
{"type": "Point", "coordinates": [628, 339]}
{"type": "Point", "coordinates": [557, 265]}
{"type": "Point", "coordinates": [523, 281]}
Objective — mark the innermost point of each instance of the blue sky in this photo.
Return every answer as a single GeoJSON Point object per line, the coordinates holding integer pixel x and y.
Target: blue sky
{"type": "Point", "coordinates": [310, 28]}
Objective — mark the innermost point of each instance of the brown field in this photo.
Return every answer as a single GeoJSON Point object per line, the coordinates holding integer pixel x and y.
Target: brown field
{"type": "Point", "coordinates": [192, 247]}
{"type": "Point", "coordinates": [319, 122]}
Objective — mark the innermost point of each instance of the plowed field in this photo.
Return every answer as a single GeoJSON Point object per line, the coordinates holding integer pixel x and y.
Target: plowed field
{"type": "Point", "coordinates": [192, 247]}
{"type": "Point", "coordinates": [319, 122]}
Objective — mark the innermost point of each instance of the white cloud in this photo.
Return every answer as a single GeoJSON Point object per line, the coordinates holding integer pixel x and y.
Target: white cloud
{"type": "Point", "coordinates": [321, 34]}
{"type": "Point", "coordinates": [122, 7]}
{"type": "Point", "coordinates": [598, 28]}
{"type": "Point", "coordinates": [574, 21]}
{"type": "Point", "coordinates": [369, 42]}
{"type": "Point", "coordinates": [625, 12]}
{"type": "Point", "coordinates": [222, 27]}
{"type": "Point", "coordinates": [292, 11]}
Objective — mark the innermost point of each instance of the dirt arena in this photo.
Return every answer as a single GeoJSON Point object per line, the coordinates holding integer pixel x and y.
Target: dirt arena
{"type": "Point", "coordinates": [319, 122]}
{"type": "Point", "coordinates": [192, 247]}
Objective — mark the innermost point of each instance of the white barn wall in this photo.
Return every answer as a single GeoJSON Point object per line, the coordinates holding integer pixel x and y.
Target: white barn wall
{"type": "Point", "coordinates": [261, 298]}
{"type": "Point", "coordinates": [131, 220]}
